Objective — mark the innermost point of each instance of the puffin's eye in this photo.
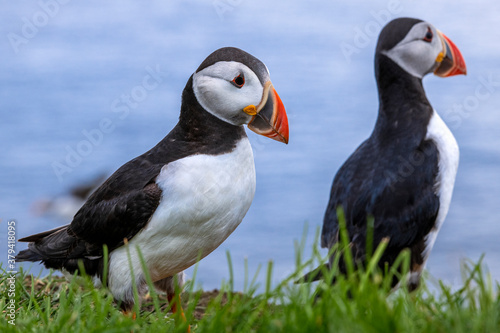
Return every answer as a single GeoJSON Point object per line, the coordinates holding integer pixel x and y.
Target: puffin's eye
{"type": "Point", "coordinates": [238, 81]}
{"type": "Point", "coordinates": [428, 35]}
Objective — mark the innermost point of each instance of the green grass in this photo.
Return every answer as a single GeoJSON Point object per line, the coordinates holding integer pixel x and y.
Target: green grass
{"type": "Point", "coordinates": [362, 301]}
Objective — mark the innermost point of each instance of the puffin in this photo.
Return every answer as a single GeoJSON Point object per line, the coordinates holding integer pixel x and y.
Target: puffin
{"type": "Point", "coordinates": [401, 177]}
{"type": "Point", "coordinates": [177, 202]}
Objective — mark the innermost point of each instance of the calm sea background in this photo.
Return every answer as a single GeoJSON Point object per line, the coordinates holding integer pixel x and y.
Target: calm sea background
{"type": "Point", "coordinates": [65, 65]}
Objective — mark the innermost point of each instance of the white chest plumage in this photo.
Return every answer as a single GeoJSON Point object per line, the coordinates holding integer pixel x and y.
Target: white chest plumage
{"type": "Point", "coordinates": [447, 146]}
{"type": "Point", "coordinates": [204, 198]}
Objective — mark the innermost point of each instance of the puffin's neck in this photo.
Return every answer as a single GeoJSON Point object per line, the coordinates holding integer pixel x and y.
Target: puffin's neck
{"type": "Point", "coordinates": [197, 125]}
{"type": "Point", "coordinates": [404, 109]}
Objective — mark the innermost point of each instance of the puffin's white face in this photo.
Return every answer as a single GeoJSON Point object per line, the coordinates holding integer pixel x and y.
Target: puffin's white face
{"type": "Point", "coordinates": [418, 52]}
{"type": "Point", "coordinates": [226, 88]}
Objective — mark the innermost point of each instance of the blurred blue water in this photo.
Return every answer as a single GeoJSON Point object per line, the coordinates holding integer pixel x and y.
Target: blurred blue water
{"type": "Point", "coordinates": [64, 79]}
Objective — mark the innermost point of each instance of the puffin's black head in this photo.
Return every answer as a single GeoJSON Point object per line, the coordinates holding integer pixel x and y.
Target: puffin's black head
{"type": "Point", "coordinates": [235, 87]}
{"type": "Point", "coordinates": [419, 48]}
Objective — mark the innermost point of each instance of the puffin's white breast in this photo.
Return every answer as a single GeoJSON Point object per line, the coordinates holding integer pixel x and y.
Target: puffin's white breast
{"type": "Point", "coordinates": [205, 197]}
{"type": "Point", "coordinates": [447, 146]}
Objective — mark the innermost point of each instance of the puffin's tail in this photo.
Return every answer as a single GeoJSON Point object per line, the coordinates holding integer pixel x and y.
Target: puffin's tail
{"type": "Point", "coordinates": [59, 249]}
{"type": "Point", "coordinates": [28, 255]}
{"type": "Point", "coordinates": [45, 245]}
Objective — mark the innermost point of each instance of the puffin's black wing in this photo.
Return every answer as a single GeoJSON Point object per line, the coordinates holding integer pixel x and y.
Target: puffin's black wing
{"type": "Point", "coordinates": [397, 189]}
{"type": "Point", "coordinates": [118, 209]}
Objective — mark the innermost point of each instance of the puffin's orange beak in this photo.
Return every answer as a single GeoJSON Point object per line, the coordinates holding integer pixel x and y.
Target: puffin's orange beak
{"type": "Point", "coordinates": [269, 117]}
{"type": "Point", "coordinates": [451, 61]}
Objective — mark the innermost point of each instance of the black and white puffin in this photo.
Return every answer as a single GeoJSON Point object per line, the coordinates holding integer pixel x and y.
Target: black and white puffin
{"type": "Point", "coordinates": [403, 174]}
{"type": "Point", "coordinates": [180, 200]}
